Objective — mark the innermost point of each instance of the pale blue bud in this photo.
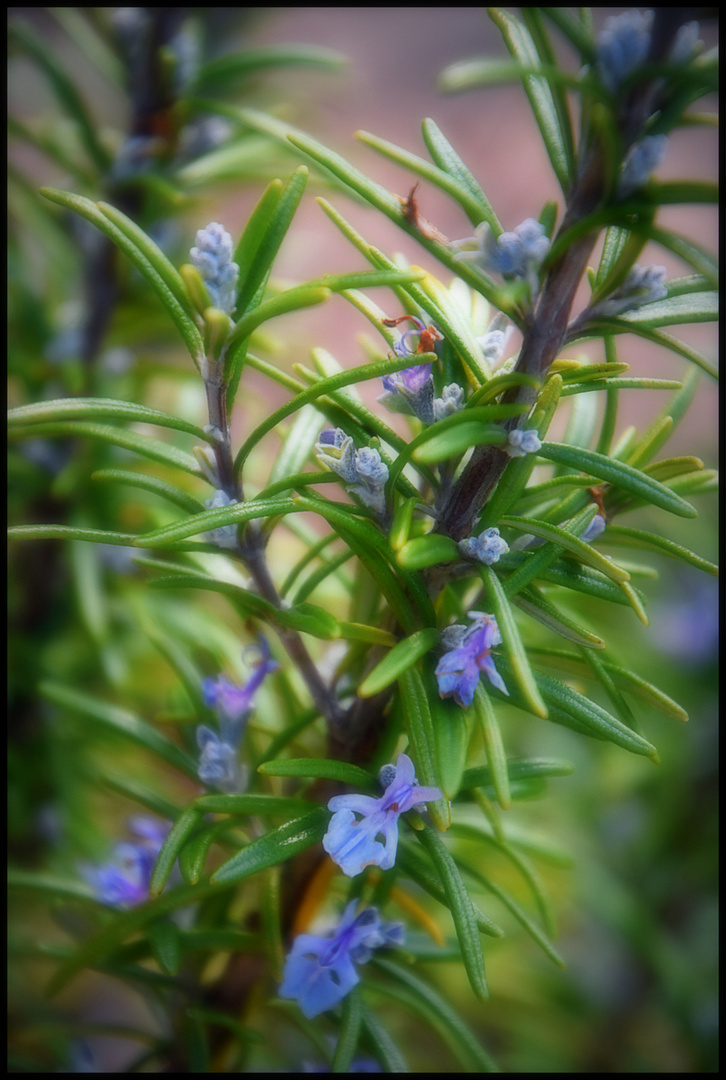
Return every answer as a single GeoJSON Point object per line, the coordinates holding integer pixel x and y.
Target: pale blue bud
{"type": "Point", "coordinates": [522, 441]}
{"type": "Point", "coordinates": [642, 159]}
{"type": "Point", "coordinates": [212, 257]}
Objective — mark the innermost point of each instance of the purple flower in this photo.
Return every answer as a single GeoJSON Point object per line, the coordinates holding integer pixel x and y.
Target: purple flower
{"type": "Point", "coordinates": [232, 702]}
{"type": "Point", "coordinates": [352, 843]}
{"type": "Point", "coordinates": [124, 880]}
{"type": "Point", "coordinates": [458, 669]}
{"type": "Point", "coordinates": [320, 971]}
{"type": "Point", "coordinates": [218, 763]}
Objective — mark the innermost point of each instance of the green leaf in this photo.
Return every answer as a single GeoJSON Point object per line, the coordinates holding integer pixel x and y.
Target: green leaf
{"type": "Point", "coordinates": [460, 906]}
{"type": "Point", "coordinates": [180, 832]}
{"type": "Point", "coordinates": [568, 707]}
{"type": "Point", "coordinates": [55, 887]}
{"type": "Point", "coordinates": [239, 65]}
{"type": "Point", "coordinates": [275, 847]}
{"type": "Point", "coordinates": [639, 538]}
{"type": "Point", "coordinates": [251, 805]}
{"type": "Point", "coordinates": [619, 474]}
{"type": "Point", "coordinates": [166, 944]}
{"type": "Point", "coordinates": [447, 159]}
{"type": "Point", "coordinates": [493, 747]}
{"type": "Point", "coordinates": [423, 551]}
{"type": "Point", "coordinates": [694, 307]}
{"type": "Point", "coordinates": [129, 440]}
{"type": "Point", "coordinates": [420, 730]}
{"type": "Point", "coordinates": [627, 680]}
{"type": "Point", "coordinates": [319, 389]}
{"type": "Point", "coordinates": [234, 514]}
{"type": "Point", "coordinates": [40, 412]}
{"type": "Point", "coordinates": [69, 532]}
{"type": "Point", "coordinates": [531, 601]}
{"type": "Point", "coordinates": [121, 721]}
{"type": "Point", "coordinates": [557, 140]}
{"type": "Point", "coordinates": [472, 206]}
{"type": "Point", "coordinates": [511, 641]}
{"type": "Point", "coordinates": [150, 261]}
{"type": "Point", "coordinates": [560, 536]}
{"type": "Point", "coordinates": [324, 768]}
{"type": "Point", "coordinates": [64, 89]}
{"type": "Point", "coordinates": [419, 869]}
{"type": "Point", "coordinates": [518, 768]}
{"type": "Point", "coordinates": [438, 1014]}
{"type": "Point", "coordinates": [398, 660]}
{"type": "Point", "coordinates": [349, 1033]}
{"type": "Point", "coordinates": [382, 1044]}
{"type": "Point", "coordinates": [154, 484]}
{"type": "Point", "coordinates": [125, 923]}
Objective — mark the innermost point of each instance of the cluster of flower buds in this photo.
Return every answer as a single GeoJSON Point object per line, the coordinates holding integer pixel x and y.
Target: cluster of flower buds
{"type": "Point", "coordinates": [124, 880]}
{"type": "Point", "coordinates": [363, 471]}
{"type": "Point", "coordinates": [320, 971]}
{"type": "Point", "coordinates": [643, 285]}
{"type": "Point", "coordinates": [226, 535]}
{"type": "Point", "coordinates": [468, 653]}
{"type": "Point", "coordinates": [212, 257]}
{"type": "Point", "coordinates": [486, 548]}
{"type": "Point", "coordinates": [624, 43]}
{"type": "Point", "coordinates": [218, 762]}
{"type": "Point", "coordinates": [517, 254]}
{"type": "Point", "coordinates": [642, 159]}
{"type": "Point", "coordinates": [522, 441]}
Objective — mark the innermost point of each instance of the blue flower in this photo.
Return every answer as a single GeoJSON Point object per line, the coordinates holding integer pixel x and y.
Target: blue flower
{"type": "Point", "coordinates": [233, 702]}
{"type": "Point", "coordinates": [643, 285]}
{"type": "Point", "coordinates": [124, 880]}
{"type": "Point", "coordinates": [212, 257]}
{"type": "Point", "coordinates": [218, 763]}
{"type": "Point", "coordinates": [459, 668]}
{"type": "Point", "coordinates": [352, 843]}
{"type": "Point", "coordinates": [320, 971]}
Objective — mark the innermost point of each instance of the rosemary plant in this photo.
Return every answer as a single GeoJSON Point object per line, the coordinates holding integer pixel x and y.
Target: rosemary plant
{"type": "Point", "coordinates": [324, 797]}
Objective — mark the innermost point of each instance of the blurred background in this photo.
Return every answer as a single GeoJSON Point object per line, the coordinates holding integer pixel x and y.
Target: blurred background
{"type": "Point", "coordinates": [638, 911]}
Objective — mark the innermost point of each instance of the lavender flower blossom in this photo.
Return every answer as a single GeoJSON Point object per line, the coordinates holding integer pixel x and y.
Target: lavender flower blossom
{"type": "Point", "coordinates": [486, 548]}
{"type": "Point", "coordinates": [218, 763]}
{"type": "Point", "coordinates": [459, 668]}
{"type": "Point", "coordinates": [411, 392]}
{"type": "Point", "coordinates": [124, 880]}
{"type": "Point", "coordinates": [642, 159]}
{"type": "Point", "coordinates": [320, 971]}
{"type": "Point", "coordinates": [522, 441]}
{"type": "Point", "coordinates": [363, 471]}
{"type": "Point", "coordinates": [213, 259]}
{"type": "Point", "coordinates": [353, 844]}
{"type": "Point", "coordinates": [643, 285]}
